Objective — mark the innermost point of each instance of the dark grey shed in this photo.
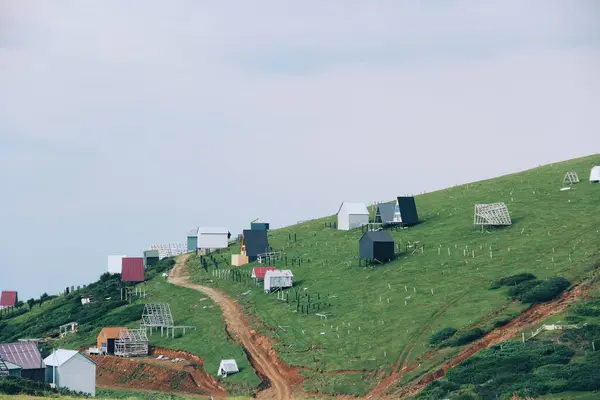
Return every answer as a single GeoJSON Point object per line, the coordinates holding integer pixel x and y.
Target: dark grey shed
{"type": "Point", "coordinates": [377, 245]}
{"type": "Point", "coordinates": [254, 242]}
{"type": "Point", "coordinates": [406, 211]}
{"type": "Point", "coordinates": [384, 213]}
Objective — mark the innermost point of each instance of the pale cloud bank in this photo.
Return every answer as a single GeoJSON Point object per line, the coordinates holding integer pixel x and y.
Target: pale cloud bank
{"type": "Point", "coordinates": [128, 123]}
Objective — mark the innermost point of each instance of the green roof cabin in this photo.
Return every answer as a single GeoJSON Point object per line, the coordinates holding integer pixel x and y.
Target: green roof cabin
{"type": "Point", "coordinates": [259, 225]}
{"type": "Point", "coordinates": [151, 257]}
{"type": "Point", "coordinates": [192, 240]}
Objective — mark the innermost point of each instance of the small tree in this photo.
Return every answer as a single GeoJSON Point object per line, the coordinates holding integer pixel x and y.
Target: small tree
{"type": "Point", "coordinates": [31, 303]}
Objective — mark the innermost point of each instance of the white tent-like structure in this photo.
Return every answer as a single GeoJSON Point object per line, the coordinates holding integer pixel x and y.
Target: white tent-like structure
{"type": "Point", "coordinates": [227, 367]}
{"type": "Point", "coordinates": [595, 174]}
{"type": "Point", "coordinates": [352, 215]}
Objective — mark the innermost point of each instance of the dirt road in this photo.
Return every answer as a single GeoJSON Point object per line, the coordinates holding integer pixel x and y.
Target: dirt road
{"type": "Point", "coordinates": [532, 316]}
{"type": "Point", "coordinates": [278, 375]}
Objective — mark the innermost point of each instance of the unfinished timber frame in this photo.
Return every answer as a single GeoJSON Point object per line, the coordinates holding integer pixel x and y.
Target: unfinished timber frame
{"type": "Point", "coordinates": [131, 343]}
{"type": "Point", "coordinates": [158, 315]}
{"type": "Point", "coordinates": [491, 214]}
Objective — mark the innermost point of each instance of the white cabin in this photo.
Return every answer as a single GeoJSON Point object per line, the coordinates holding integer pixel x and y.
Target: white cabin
{"type": "Point", "coordinates": [227, 367]}
{"type": "Point", "coordinates": [595, 174]}
{"type": "Point", "coordinates": [212, 238]}
{"type": "Point", "coordinates": [278, 279]}
{"type": "Point", "coordinates": [71, 370]}
{"type": "Point", "coordinates": [352, 215]}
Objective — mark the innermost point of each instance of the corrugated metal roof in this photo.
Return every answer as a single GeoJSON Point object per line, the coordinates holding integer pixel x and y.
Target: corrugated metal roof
{"type": "Point", "coordinates": [280, 273]}
{"type": "Point", "coordinates": [355, 208]}
{"type": "Point", "coordinates": [259, 272]}
{"type": "Point", "coordinates": [132, 269]}
{"type": "Point", "coordinates": [229, 366]}
{"type": "Point", "coordinates": [211, 229]}
{"type": "Point", "coordinates": [111, 332]}
{"type": "Point", "coordinates": [26, 355]}
{"type": "Point", "coordinates": [59, 357]}
{"type": "Point", "coordinates": [8, 298]}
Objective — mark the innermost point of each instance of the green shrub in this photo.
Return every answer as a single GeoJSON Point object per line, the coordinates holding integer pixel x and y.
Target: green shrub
{"type": "Point", "coordinates": [466, 337]}
{"type": "Point", "coordinates": [589, 308]}
{"type": "Point", "coordinates": [546, 290]}
{"type": "Point", "coordinates": [494, 285]}
{"type": "Point", "coordinates": [516, 279]}
{"type": "Point", "coordinates": [503, 321]}
{"type": "Point", "coordinates": [585, 334]}
{"type": "Point", "coordinates": [441, 335]}
{"type": "Point", "coordinates": [516, 292]}
{"type": "Point", "coordinates": [574, 319]}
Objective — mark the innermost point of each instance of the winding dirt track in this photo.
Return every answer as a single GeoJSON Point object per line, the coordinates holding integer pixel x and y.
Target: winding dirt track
{"type": "Point", "coordinates": [280, 376]}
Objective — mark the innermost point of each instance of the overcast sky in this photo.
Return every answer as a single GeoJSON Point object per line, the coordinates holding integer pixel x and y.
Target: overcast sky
{"type": "Point", "coordinates": [127, 123]}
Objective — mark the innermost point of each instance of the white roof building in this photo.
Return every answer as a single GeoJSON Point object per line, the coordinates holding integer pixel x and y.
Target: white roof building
{"type": "Point", "coordinates": [71, 370]}
{"type": "Point", "coordinates": [212, 237]}
{"type": "Point", "coordinates": [595, 174]}
{"type": "Point", "coordinates": [278, 279]}
{"type": "Point", "coordinates": [352, 215]}
{"type": "Point", "coordinates": [227, 367]}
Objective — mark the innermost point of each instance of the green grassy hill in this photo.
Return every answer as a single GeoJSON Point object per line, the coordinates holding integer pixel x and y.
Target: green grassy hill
{"type": "Point", "coordinates": [371, 316]}
{"type": "Point", "coordinates": [209, 340]}
{"type": "Point", "coordinates": [374, 314]}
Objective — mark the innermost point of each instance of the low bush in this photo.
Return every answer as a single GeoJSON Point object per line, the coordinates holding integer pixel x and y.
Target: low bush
{"type": "Point", "coordinates": [503, 321]}
{"type": "Point", "coordinates": [466, 337]}
{"type": "Point", "coordinates": [531, 369]}
{"type": "Point", "coordinates": [516, 279]}
{"type": "Point", "coordinates": [589, 308]}
{"type": "Point", "coordinates": [516, 292]}
{"type": "Point", "coordinates": [545, 291]}
{"type": "Point", "coordinates": [441, 335]}
{"type": "Point", "coordinates": [494, 285]}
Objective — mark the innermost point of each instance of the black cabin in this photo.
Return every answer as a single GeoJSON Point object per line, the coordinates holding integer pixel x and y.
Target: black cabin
{"type": "Point", "coordinates": [378, 245]}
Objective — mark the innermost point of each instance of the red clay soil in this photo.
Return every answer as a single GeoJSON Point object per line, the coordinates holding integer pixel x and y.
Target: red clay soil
{"type": "Point", "coordinates": [534, 315]}
{"type": "Point", "coordinates": [278, 378]}
{"type": "Point", "coordinates": [126, 373]}
{"type": "Point", "coordinates": [193, 365]}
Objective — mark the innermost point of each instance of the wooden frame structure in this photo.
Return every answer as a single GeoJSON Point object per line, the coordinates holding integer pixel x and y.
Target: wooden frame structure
{"type": "Point", "coordinates": [131, 343]}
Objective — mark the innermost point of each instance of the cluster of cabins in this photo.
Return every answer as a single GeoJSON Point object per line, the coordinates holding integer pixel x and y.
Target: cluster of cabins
{"type": "Point", "coordinates": [376, 244]}
{"type": "Point", "coordinates": [68, 369]}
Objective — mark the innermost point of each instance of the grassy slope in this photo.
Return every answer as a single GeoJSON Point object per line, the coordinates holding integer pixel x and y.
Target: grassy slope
{"type": "Point", "coordinates": [209, 340]}
{"type": "Point", "coordinates": [553, 233]}
{"type": "Point", "coordinates": [581, 348]}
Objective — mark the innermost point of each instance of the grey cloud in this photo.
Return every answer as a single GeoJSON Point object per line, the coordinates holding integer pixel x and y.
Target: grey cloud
{"type": "Point", "coordinates": [125, 125]}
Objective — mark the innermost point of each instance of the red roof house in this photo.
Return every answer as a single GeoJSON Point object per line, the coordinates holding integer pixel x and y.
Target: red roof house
{"type": "Point", "coordinates": [259, 272]}
{"type": "Point", "coordinates": [8, 299]}
{"type": "Point", "coordinates": [132, 269]}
